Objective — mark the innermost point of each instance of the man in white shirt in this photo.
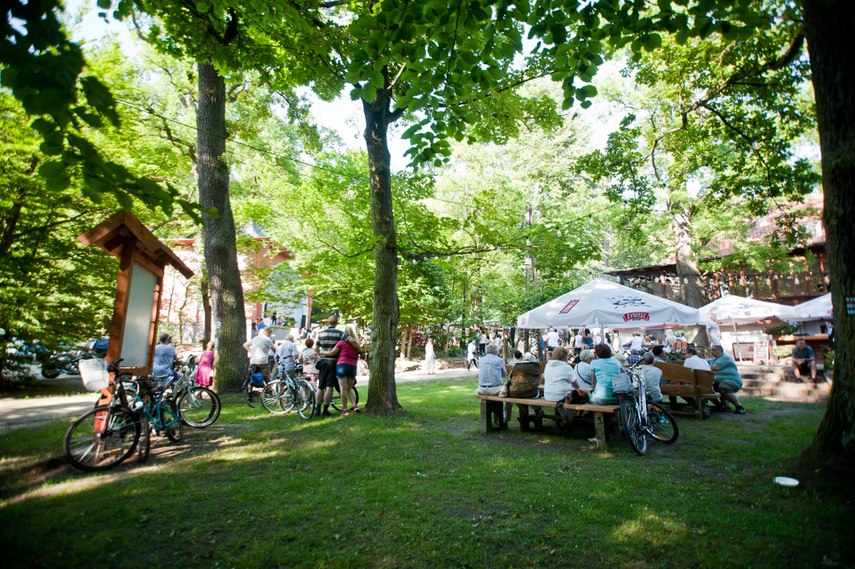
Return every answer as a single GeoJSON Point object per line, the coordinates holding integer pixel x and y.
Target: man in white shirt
{"type": "Point", "coordinates": [552, 339]}
{"type": "Point", "coordinates": [694, 362]}
{"type": "Point", "coordinates": [258, 348]}
{"type": "Point", "coordinates": [637, 342]}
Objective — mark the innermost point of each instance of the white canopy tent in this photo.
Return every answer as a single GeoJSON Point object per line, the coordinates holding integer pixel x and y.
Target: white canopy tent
{"type": "Point", "coordinates": [739, 310]}
{"type": "Point", "coordinates": [604, 303]}
{"type": "Point", "coordinates": [818, 308]}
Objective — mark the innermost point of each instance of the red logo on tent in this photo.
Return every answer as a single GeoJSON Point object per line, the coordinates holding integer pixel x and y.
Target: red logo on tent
{"type": "Point", "coordinates": [569, 307]}
{"type": "Point", "coordinates": [636, 316]}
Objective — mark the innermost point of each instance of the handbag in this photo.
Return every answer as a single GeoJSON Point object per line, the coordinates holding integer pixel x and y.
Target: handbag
{"type": "Point", "coordinates": [578, 397]}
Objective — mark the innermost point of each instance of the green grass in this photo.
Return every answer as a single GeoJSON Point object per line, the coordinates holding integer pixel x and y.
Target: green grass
{"type": "Point", "coordinates": [427, 490]}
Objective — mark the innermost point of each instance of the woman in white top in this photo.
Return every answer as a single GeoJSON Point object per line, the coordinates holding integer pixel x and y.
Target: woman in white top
{"type": "Point", "coordinates": [558, 376]}
{"type": "Point", "coordinates": [652, 377]}
{"type": "Point", "coordinates": [582, 371]}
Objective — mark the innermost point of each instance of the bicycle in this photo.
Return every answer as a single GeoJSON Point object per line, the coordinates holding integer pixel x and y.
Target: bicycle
{"type": "Point", "coordinates": [337, 406]}
{"type": "Point", "coordinates": [641, 417]}
{"type": "Point", "coordinates": [108, 434]}
{"type": "Point", "coordinates": [160, 410]}
{"type": "Point", "coordinates": [251, 388]}
{"type": "Point", "coordinates": [198, 406]}
{"type": "Point", "coordinates": [282, 396]}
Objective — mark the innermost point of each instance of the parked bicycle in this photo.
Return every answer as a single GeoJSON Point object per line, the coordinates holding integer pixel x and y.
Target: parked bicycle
{"type": "Point", "coordinates": [108, 434]}
{"type": "Point", "coordinates": [198, 406]}
{"type": "Point", "coordinates": [287, 392]}
{"type": "Point", "coordinates": [641, 417]}
{"type": "Point", "coordinates": [253, 386]}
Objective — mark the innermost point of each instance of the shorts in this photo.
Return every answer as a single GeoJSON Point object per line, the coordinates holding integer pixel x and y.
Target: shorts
{"type": "Point", "coordinates": [326, 374]}
{"type": "Point", "coordinates": [804, 367]}
{"type": "Point", "coordinates": [726, 387]}
{"type": "Point", "coordinates": [345, 370]}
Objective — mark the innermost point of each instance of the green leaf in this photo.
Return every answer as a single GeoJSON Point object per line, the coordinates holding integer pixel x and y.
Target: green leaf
{"type": "Point", "coordinates": [104, 4]}
{"type": "Point", "coordinates": [369, 93]}
{"type": "Point", "coordinates": [52, 169]}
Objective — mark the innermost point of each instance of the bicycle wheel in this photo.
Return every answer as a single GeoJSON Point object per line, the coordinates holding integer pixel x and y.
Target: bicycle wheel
{"type": "Point", "coordinates": [251, 394]}
{"type": "Point", "coordinates": [144, 445]}
{"type": "Point", "coordinates": [101, 438]}
{"type": "Point", "coordinates": [663, 427]}
{"type": "Point", "coordinates": [635, 433]}
{"type": "Point", "coordinates": [173, 426]}
{"type": "Point", "coordinates": [199, 407]}
{"type": "Point", "coordinates": [305, 399]}
{"type": "Point", "coordinates": [271, 397]}
{"type": "Point", "coordinates": [337, 407]}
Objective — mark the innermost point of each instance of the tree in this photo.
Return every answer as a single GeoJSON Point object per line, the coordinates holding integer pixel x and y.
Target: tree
{"type": "Point", "coordinates": [51, 289]}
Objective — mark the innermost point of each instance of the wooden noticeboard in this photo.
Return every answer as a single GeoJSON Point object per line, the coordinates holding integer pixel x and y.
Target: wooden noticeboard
{"type": "Point", "coordinates": [142, 259]}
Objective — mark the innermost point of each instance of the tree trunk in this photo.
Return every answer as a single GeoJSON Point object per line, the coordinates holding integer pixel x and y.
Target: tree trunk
{"type": "Point", "coordinates": [687, 269]}
{"type": "Point", "coordinates": [382, 394]}
{"type": "Point", "coordinates": [828, 28]}
{"type": "Point", "coordinates": [219, 234]}
{"type": "Point", "coordinates": [206, 307]}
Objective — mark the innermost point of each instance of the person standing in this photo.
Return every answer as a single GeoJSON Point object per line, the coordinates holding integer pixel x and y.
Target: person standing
{"type": "Point", "coordinates": [345, 369]}
{"type": "Point", "coordinates": [482, 343]}
{"type": "Point", "coordinates": [309, 359]}
{"type": "Point", "coordinates": [579, 343]}
{"type": "Point", "coordinates": [727, 379]}
{"type": "Point", "coordinates": [205, 371]}
{"type": "Point", "coordinates": [713, 331]}
{"type": "Point", "coordinates": [470, 355]}
{"type": "Point", "coordinates": [327, 380]}
{"type": "Point", "coordinates": [552, 339]}
{"type": "Point", "coordinates": [164, 355]}
{"type": "Point", "coordinates": [287, 355]}
{"type": "Point", "coordinates": [430, 356]}
{"type": "Point", "coordinates": [258, 349]}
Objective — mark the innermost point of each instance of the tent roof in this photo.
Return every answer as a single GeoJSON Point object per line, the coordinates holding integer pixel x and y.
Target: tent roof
{"type": "Point", "coordinates": [731, 309]}
{"type": "Point", "coordinates": [606, 303]}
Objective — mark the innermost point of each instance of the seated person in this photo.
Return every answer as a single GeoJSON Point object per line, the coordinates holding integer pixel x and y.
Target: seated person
{"type": "Point", "coordinates": [637, 342]}
{"type": "Point", "coordinates": [582, 371]}
{"type": "Point", "coordinates": [633, 357]}
{"type": "Point", "coordinates": [603, 370]}
{"type": "Point", "coordinates": [490, 374]}
{"type": "Point", "coordinates": [622, 360]}
{"type": "Point", "coordinates": [658, 353]}
{"type": "Point", "coordinates": [652, 377]}
{"type": "Point", "coordinates": [803, 361]}
{"type": "Point", "coordinates": [518, 356]}
{"type": "Point", "coordinates": [693, 361]}
{"type": "Point", "coordinates": [524, 378]}
{"type": "Point", "coordinates": [727, 379]}
{"type": "Point", "coordinates": [558, 376]}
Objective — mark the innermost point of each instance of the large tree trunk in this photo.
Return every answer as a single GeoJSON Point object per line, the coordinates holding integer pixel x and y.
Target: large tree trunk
{"type": "Point", "coordinates": [828, 29]}
{"type": "Point", "coordinates": [687, 269]}
{"type": "Point", "coordinates": [219, 234]}
{"type": "Point", "coordinates": [382, 394]}
{"type": "Point", "coordinates": [207, 336]}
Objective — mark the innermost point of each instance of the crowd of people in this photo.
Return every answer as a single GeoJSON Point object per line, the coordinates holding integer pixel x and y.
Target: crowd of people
{"type": "Point", "coordinates": [577, 361]}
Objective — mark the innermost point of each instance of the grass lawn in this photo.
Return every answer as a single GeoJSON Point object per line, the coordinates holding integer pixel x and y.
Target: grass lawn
{"type": "Point", "coordinates": [428, 490]}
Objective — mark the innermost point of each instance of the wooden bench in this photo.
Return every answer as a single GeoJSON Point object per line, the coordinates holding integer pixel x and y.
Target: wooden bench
{"type": "Point", "coordinates": [687, 383]}
{"type": "Point", "coordinates": [492, 406]}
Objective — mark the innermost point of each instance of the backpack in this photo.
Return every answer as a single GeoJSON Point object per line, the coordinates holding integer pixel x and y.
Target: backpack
{"type": "Point", "coordinates": [256, 378]}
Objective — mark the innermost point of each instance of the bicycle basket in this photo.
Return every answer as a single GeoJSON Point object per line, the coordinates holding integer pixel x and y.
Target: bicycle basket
{"type": "Point", "coordinates": [94, 373]}
{"type": "Point", "coordinates": [621, 384]}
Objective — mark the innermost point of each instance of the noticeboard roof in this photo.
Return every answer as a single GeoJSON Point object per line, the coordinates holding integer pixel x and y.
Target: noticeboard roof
{"type": "Point", "coordinates": [111, 233]}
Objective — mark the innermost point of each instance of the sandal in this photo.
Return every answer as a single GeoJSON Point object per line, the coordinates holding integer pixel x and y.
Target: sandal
{"type": "Point", "coordinates": [740, 411]}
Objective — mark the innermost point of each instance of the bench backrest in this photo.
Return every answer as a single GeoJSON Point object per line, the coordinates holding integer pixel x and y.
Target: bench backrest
{"type": "Point", "coordinates": [509, 367]}
{"type": "Point", "coordinates": [704, 380]}
{"type": "Point", "coordinates": [676, 373]}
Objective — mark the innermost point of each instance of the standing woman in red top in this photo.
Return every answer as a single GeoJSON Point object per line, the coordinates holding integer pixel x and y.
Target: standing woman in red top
{"type": "Point", "coordinates": [345, 369]}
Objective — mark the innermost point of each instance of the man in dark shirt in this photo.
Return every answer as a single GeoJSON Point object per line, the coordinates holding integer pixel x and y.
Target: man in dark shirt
{"type": "Point", "coordinates": [327, 381]}
{"type": "Point", "coordinates": [803, 361]}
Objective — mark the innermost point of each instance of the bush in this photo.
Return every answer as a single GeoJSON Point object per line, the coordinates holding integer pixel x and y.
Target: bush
{"type": "Point", "coordinates": [782, 330]}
